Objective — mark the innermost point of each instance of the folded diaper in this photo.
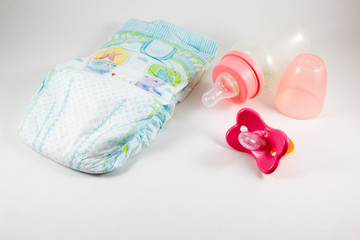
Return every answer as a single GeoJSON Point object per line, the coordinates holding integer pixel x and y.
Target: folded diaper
{"type": "Point", "coordinates": [93, 113]}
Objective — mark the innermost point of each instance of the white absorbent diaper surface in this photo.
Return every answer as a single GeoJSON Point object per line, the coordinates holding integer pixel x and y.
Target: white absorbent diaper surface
{"type": "Point", "coordinates": [93, 113]}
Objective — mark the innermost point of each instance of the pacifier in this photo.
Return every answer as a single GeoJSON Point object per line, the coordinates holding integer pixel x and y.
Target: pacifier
{"type": "Point", "coordinates": [251, 135]}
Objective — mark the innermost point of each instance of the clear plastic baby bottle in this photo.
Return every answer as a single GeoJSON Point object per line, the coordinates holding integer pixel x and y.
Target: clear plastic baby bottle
{"type": "Point", "coordinates": [258, 62]}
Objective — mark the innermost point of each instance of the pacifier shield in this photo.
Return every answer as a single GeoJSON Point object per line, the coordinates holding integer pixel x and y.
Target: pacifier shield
{"type": "Point", "coordinates": [252, 135]}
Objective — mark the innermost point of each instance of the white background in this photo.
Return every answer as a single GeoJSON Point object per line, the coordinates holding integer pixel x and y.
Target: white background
{"type": "Point", "coordinates": [188, 184]}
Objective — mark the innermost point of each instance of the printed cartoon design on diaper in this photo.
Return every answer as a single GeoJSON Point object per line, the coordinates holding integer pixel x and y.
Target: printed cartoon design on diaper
{"type": "Point", "coordinates": [169, 75]}
{"type": "Point", "coordinates": [157, 49]}
{"type": "Point", "coordinates": [117, 55]}
{"type": "Point", "coordinates": [187, 62]}
{"type": "Point", "coordinates": [150, 83]}
{"type": "Point", "coordinates": [164, 54]}
{"type": "Point", "coordinates": [100, 66]}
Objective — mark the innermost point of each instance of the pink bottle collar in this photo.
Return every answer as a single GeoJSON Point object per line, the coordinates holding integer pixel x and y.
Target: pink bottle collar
{"type": "Point", "coordinates": [245, 71]}
{"type": "Point", "coordinates": [254, 66]}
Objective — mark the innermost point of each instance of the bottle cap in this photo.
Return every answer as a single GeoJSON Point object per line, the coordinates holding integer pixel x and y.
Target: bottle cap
{"type": "Point", "coordinates": [302, 89]}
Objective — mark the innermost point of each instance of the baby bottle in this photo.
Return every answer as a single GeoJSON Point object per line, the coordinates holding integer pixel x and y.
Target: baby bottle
{"type": "Point", "coordinates": [257, 63]}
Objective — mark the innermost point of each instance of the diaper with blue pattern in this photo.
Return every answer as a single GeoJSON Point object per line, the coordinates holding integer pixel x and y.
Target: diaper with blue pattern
{"type": "Point", "coordinates": [93, 113]}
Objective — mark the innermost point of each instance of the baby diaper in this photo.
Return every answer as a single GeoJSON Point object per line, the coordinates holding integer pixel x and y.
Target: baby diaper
{"type": "Point", "coordinates": [93, 113]}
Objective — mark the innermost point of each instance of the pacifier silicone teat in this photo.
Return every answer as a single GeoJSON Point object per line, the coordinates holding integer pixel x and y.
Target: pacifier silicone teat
{"type": "Point", "coordinates": [251, 135]}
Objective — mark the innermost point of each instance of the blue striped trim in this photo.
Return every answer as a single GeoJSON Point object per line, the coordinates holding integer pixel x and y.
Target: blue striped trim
{"type": "Point", "coordinates": [93, 142]}
{"type": "Point", "coordinates": [57, 117]}
{"type": "Point", "coordinates": [144, 130]}
{"type": "Point", "coordinates": [184, 38]}
{"type": "Point", "coordinates": [104, 121]}
{"type": "Point", "coordinates": [43, 125]}
{"type": "Point", "coordinates": [36, 97]}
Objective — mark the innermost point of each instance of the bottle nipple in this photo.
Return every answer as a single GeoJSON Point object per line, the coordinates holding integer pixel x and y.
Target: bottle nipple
{"type": "Point", "coordinates": [225, 87]}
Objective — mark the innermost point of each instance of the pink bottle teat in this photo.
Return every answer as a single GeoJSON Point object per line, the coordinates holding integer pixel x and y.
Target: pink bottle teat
{"type": "Point", "coordinates": [237, 78]}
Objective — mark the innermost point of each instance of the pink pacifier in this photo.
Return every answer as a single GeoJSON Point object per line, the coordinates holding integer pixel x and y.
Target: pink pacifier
{"type": "Point", "coordinates": [251, 135]}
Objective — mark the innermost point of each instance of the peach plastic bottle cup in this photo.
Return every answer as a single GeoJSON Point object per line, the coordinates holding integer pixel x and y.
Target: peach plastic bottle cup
{"type": "Point", "coordinates": [302, 89]}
